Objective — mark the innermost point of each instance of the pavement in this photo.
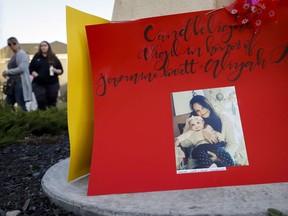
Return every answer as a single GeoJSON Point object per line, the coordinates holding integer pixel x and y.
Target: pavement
{"type": "Point", "coordinates": [233, 200]}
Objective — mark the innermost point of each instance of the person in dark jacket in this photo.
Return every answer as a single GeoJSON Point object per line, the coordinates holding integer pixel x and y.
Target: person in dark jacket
{"type": "Point", "coordinates": [45, 68]}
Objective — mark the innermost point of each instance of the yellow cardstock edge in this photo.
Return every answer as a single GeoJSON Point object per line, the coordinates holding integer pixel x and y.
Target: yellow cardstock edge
{"type": "Point", "coordinates": [80, 92]}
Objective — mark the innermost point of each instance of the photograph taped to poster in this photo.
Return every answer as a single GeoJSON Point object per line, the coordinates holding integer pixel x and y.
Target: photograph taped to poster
{"type": "Point", "coordinates": [208, 137]}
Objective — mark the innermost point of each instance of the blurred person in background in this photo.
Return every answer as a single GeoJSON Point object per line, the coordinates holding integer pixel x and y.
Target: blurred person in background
{"type": "Point", "coordinates": [45, 68]}
{"type": "Point", "coordinates": [18, 76]}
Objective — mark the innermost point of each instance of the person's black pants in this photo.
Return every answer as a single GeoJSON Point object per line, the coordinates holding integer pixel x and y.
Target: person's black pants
{"type": "Point", "coordinates": [46, 95]}
{"type": "Point", "coordinates": [204, 159]}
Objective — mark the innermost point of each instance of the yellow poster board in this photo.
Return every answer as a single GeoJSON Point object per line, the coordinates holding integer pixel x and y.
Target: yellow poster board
{"type": "Point", "coordinates": [80, 93]}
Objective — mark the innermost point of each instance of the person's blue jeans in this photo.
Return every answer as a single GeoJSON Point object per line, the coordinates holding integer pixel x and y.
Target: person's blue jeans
{"type": "Point", "coordinates": [17, 97]}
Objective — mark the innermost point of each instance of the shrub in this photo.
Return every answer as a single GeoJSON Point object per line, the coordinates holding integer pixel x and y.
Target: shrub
{"type": "Point", "coordinates": [18, 125]}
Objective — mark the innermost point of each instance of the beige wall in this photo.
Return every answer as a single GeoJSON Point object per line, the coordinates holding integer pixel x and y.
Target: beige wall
{"type": "Point", "coordinates": [136, 9]}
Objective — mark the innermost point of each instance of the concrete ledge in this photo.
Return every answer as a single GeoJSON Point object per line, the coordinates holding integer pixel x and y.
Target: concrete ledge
{"type": "Point", "coordinates": [239, 200]}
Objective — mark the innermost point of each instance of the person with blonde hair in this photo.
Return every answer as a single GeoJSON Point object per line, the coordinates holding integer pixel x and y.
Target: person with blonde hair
{"type": "Point", "coordinates": [18, 76]}
{"type": "Point", "coordinates": [202, 147]}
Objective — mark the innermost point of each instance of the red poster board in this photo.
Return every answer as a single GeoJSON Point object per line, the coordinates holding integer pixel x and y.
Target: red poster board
{"type": "Point", "coordinates": [137, 66]}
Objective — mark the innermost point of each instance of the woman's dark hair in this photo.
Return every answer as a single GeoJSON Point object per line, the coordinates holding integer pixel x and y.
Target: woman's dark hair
{"type": "Point", "coordinates": [213, 120]}
{"type": "Point", "coordinates": [50, 54]}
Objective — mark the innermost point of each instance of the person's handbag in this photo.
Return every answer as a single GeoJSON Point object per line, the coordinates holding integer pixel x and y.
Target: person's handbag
{"type": "Point", "coordinates": [8, 87]}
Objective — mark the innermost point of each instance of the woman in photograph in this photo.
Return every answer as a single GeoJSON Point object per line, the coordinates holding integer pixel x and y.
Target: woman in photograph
{"type": "Point", "coordinates": [45, 68]}
{"type": "Point", "coordinates": [202, 107]}
{"type": "Point", "coordinates": [18, 75]}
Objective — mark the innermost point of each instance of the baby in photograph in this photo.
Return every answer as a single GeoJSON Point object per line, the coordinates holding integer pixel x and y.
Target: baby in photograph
{"type": "Point", "coordinates": [202, 148]}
